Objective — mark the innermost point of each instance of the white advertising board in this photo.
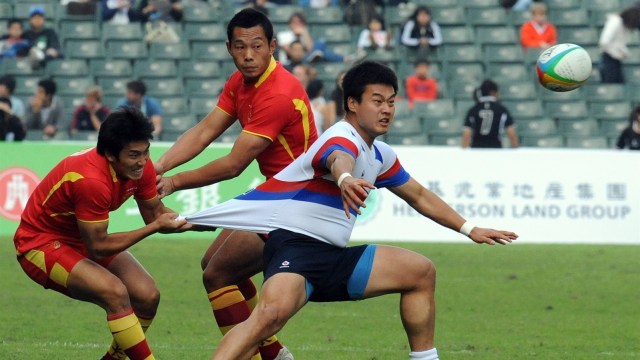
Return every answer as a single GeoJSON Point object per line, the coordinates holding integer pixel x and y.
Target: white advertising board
{"type": "Point", "coordinates": [544, 195]}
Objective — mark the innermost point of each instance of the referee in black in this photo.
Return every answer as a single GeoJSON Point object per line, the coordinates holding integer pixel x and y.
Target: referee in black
{"type": "Point", "coordinates": [487, 121]}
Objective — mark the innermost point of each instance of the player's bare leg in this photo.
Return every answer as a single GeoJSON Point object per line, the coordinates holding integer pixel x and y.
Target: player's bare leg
{"type": "Point", "coordinates": [270, 315]}
{"type": "Point", "coordinates": [234, 257]}
{"type": "Point", "coordinates": [91, 282]}
{"type": "Point", "coordinates": [415, 279]}
{"type": "Point", "coordinates": [227, 278]}
{"type": "Point", "coordinates": [143, 294]}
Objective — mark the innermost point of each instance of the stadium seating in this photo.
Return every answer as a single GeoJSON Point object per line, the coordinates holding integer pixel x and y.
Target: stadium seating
{"type": "Point", "coordinates": [84, 49]}
{"type": "Point", "coordinates": [537, 127]}
{"type": "Point", "coordinates": [110, 68]}
{"type": "Point", "coordinates": [145, 68]}
{"type": "Point", "coordinates": [169, 51]}
{"type": "Point", "coordinates": [67, 67]}
{"type": "Point", "coordinates": [480, 41]}
{"type": "Point", "coordinates": [73, 85]}
{"type": "Point", "coordinates": [551, 141]}
{"type": "Point", "coordinates": [405, 125]}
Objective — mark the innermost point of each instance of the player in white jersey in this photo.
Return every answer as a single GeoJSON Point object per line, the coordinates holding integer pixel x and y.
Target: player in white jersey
{"type": "Point", "coordinates": [309, 210]}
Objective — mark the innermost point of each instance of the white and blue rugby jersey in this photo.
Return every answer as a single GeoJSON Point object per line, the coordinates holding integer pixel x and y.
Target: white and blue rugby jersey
{"type": "Point", "coordinates": [304, 197]}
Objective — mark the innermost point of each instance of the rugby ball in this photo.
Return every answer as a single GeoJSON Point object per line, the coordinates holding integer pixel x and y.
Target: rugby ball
{"type": "Point", "coordinates": [563, 67]}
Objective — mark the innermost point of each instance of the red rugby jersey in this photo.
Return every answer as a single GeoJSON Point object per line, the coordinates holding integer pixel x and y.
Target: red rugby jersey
{"type": "Point", "coordinates": [275, 107]}
{"type": "Point", "coordinates": [82, 187]}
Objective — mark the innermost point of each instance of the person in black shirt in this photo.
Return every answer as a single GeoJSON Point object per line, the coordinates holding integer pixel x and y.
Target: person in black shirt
{"type": "Point", "coordinates": [11, 128]}
{"type": "Point", "coordinates": [487, 121]}
{"type": "Point", "coordinates": [630, 136]}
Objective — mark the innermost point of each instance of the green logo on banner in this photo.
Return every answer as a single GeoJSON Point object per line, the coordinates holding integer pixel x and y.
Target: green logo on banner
{"type": "Point", "coordinates": [368, 213]}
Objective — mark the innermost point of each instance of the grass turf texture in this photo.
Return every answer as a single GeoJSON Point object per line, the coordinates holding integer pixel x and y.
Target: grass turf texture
{"type": "Point", "coordinates": [514, 302]}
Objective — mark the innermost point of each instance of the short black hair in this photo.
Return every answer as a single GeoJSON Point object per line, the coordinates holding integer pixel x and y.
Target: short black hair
{"type": "Point", "coordinates": [14, 21]}
{"type": "Point", "coordinates": [363, 74]}
{"type": "Point", "coordinates": [314, 88]}
{"type": "Point", "coordinates": [248, 18]}
{"type": "Point", "coordinates": [420, 61]}
{"type": "Point", "coordinates": [48, 85]}
{"type": "Point", "coordinates": [122, 126]}
{"type": "Point", "coordinates": [9, 81]}
{"type": "Point", "coordinates": [137, 86]}
{"type": "Point", "coordinates": [487, 87]}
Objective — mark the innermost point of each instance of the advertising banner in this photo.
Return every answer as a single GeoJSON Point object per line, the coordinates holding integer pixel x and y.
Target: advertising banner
{"type": "Point", "coordinates": [544, 195]}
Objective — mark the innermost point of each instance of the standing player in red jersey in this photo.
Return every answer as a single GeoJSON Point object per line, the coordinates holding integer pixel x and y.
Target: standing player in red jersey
{"type": "Point", "coordinates": [274, 111]}
{"type": "Point", "coordinates": [62, 241]}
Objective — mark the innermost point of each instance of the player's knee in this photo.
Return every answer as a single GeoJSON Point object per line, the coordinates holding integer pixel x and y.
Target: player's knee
{"type": "Point", "coordinates": [426, 273]}
{"type": "Point", "coordinates": [148, 303]}
{"type": "Point", "coordinates": [272, 318]}
{"type": "Point", "coordinates": [212, 279]}
{"type": "Point", "coordinates": [115, 296]}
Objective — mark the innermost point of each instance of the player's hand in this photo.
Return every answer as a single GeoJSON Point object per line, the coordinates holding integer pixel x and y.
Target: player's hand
{"type": "Point", "coordinates": [164, 185]}
{"type": "Point", "coordinates": [354, 192]}
{"type": "Point", "coordinates": [169, 223]}
{"type": "Point", "coordinates": [491, 236]}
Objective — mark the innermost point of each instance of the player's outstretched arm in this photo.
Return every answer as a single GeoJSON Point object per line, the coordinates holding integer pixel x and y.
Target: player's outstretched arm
{"type": "Point", "coordinates": [193, 141]}
{"type": "Point", "coordinates": [246, 148]}
{"type": "Point", "coordinates": [432, 206]}
{"type": "Point", "coordinates": [100, 243]}
{"type": "Point", "coordinates": [491, 236]}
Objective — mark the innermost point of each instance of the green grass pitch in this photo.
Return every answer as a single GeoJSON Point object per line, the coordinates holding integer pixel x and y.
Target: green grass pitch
{"type": "Point", "coordinates": [514, 302]}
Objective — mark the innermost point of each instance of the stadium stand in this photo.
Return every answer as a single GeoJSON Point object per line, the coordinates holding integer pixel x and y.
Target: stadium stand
{"type": "Point", "coordinates": [480, 41]}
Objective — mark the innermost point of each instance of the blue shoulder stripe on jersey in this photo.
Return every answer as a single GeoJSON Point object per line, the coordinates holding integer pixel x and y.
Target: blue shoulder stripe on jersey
{"type": "Point", "coordinates": [398, 179]}
{"type": "Point", "coordinates": [378, 153]}
{"type": "Point", "coordinates": [332, 201]}
{"type": "Point", "coordinates": [332, 148]}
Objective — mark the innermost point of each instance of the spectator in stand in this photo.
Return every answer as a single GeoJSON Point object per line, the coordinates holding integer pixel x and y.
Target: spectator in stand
{"type": "Point", "coordinates": [163, 10]}
{"type": "Point", "coordinates": [316, 50]}
{"type": "Point", "coordinates": [11, 128]}
{"type": "Point", "coordinates": [45, 44]}
{"type": "Point", "coordinates": [90, 115]}
{"type": "Point", "coordinates": [421, 33]}
{"type": "Point", "coordinates": [630, 136]}
{"type": "Point", "coordinates": [119, 11]}
{"type": "Point", "coordinates": [136, 96]}
{"type": "Point", "coordinates": [304, 73]}
{"type": "Point", "coordinates": [45, 110]}
{"type": "Point", "coordinates": [315, 91]}
{"type": "Point", "coordinates": [375, 36]}
{"type": "Point", "coordinates": [7, 87]}
{"type": "Point", "coordinates": [538, 33]}
{"type": "Point", "coordinates": [13, 44]}
{"type": "Point", "coordinates": [419, 86]}
{"type": "Point", "coordinates": [613, 42]}
{"type": "Point", "coordinates": [335, 104]}
{"type": "Point", "coordinates": [296, 54]}
{"type": "Point", "coordinates": [488, 120]}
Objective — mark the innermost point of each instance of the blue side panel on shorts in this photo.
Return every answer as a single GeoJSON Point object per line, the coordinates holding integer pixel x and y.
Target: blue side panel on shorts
{"type": "Point", "coordinates": [309, 289]}
{"type": "Point", "coordinates": [360, 276]}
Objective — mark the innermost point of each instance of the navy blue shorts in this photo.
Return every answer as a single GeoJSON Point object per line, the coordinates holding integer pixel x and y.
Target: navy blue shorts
{"type": "Point", "coordinates": [332, 273]}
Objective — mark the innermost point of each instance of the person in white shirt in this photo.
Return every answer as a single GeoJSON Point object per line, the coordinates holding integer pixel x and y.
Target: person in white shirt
{"type": "Point", "coordinates": [309, 210]}
{"type": "Point", "coordinates": [613, 43]}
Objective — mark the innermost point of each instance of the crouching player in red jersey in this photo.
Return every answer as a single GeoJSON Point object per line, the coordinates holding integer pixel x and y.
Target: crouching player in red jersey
{"type": "Point", "coordinates": [62, 241]}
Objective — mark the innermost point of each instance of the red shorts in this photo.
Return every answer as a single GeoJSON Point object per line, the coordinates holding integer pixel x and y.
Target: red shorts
{"type": "Point", "coordinates": [50, 264]}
